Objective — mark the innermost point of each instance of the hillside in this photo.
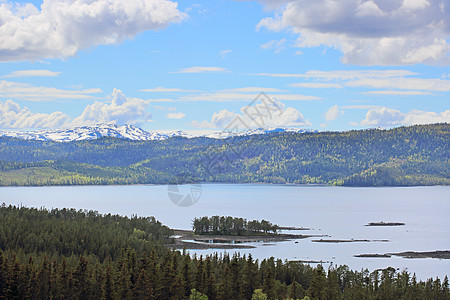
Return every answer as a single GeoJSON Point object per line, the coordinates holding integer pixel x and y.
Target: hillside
{"type": "Point", "coordinates": [416, 155]}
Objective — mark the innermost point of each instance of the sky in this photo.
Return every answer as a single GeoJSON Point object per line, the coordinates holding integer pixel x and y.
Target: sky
{"type": "Point", "coordinates": [197, 65]}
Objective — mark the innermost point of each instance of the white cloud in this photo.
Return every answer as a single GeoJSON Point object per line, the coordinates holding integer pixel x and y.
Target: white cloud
{"type": "Point", "coordinates": [333, 113]}
{"type": "Point", "coordinates": [390, 82]}
{"type": "Point", "coordinates": [386, 117]}
{"type": "Point", "coordinates": [224, 97]}
{"type": "Point", "coordinates": [203, 70]}
{"type": "Point", "coordinates": [253, 89]}
{"type": "Point", "coordinates": [398, 93]}
{"type": "Point", "coordinates": [374, 32]}
{"type": "Point", "coordinates": [32, 73]}
{"type": "Point", "coordinates": [62, 28]}
{"type": "Point", "coordinates": [402, 83]}
{"type": "Point", "coordinates": [175, 115]}
{"type": "Point", "coordinates": [122, 110]}
{"type": "Point", "coordinates": [276, 45]}
{"type": "Point", "coordinates": [24, 91]}
{"type": "Point", "coordinates": [12, 115]}
{"type": "Point", "coordinates": [415, 4]}
{"type": "Point", "coordinates": [224, 53]}
{"type": "Point", "coordinates": [343, 75]}
{"type": "Point", "coordinates": [161, 89]}
{"type": "Point", "coordinates": [274, 113]}
{"type": "Point", "coordinates": [202, 124]}
{"type": "Point", "coordinates": [317, 85]}
{"type": "Point", "coordinates": [367, 106]}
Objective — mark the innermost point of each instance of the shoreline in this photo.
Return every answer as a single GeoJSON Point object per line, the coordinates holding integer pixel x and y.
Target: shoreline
{"type": "Point", "coordinates": [228, 183]}
{"type": "Point", "coordinates": [186, 239]}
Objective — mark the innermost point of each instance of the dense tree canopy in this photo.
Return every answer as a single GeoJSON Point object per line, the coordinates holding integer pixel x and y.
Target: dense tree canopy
{"type": "Point", "coordinates": [217, 225]}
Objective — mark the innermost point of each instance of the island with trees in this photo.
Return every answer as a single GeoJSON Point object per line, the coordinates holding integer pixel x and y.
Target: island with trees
{"type": "Point", "coordinates": [220, 225]}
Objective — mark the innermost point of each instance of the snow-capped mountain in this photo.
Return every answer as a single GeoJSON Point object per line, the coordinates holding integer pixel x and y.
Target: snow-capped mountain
{"type": "Point", "coordinates": [127, 132]}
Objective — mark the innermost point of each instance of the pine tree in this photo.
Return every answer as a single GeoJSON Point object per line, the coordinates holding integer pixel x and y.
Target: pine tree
{"type": "Point", "coordinates": [108, 287]}
{"type": "Point", "coordinates": [14, 280]}
{"type": "Point", "coordinates": [249, 278]}
{"type": "Point", "coordinates": [3, 275]}
{"type": "Point", "coordinates": [123, 282]}
{"type": "Point", "coordinates": [318, 282]}
{"type": "Point", "coordinates": [332, 289]}
{"type": "Point", "coordinates": [209, 284]}
{"type": "Point", "coordinates": [199, 275]}
{"type": "Point", "coordinates": [234, 278]}
{"type": "Point", "coordinates": [142, 288]}
{"type": "Point", "coordinates": [185, 277]}
{"type": "Point", "coordinates": [80, 278]}
{"type": "Point", "coordinates": [269, 284]}
{"type": "Point", "coordinates": [224, 288]}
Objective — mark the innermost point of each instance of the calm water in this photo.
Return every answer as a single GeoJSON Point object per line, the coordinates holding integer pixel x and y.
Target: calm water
{"type": "Point", "coordinates": [338, 212]}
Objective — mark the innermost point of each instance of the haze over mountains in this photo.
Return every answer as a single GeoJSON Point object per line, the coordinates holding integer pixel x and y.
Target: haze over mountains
{"type": "Point", "coordinates": [129, 132]}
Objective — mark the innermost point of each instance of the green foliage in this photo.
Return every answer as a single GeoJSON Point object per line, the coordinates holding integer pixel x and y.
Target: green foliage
{"type": "Point", "coordinates": [415, 155]}
{"type": "Point", "coordinates": [196, 295]}
{"type": "Point", "coordinates": [70, 232]}
{"type": "Point", "coordinates": [259, 295]}
{"type": "Point", "coordinates": [231, 226]}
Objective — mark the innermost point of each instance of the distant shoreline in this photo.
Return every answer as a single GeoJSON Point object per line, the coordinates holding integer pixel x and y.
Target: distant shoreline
{"type": "Point", "coordinates": [225, 183]}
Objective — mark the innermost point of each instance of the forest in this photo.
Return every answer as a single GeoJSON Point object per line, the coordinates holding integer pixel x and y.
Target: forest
{"type": "Point", "coordinates": [75, 254]}
{"type": "Point", "coordinates": [403, 156]}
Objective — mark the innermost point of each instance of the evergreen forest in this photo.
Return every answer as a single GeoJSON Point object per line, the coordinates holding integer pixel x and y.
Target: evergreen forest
{"type": "Point", "coordinates": [403, 156]}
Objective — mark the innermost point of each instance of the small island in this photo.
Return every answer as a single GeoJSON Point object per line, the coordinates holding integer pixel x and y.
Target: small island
{"type": "Point", "coordinates": [439, 254]}
{"type": "Point", "coordinates": [348, 241]}
{"type": "Point", "coordinates": [385, 224]}
{"type": "Point", "coordinates": [226, 232]}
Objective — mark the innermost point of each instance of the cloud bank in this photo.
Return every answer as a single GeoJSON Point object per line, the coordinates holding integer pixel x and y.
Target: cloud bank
{"type": "Point", "coordinates": [368, 32]}
{"type": "Point", "coordinates": [61, 28]}
{"type": "Point", "coordinates": [388, 117]}
{"type": "Point", "coordinates": [281, 116]}
{"type": "Point", "coordinates": [120, 110]}
{"type": "Point", "coordinates": [12, 115]}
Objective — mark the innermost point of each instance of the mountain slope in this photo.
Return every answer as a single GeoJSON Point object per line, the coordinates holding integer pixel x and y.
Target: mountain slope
{"type": "Point", "coordinates": [416, 155]}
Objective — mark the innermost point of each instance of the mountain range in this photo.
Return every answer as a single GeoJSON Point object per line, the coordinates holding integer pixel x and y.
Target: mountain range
{"type": "Point", "coordinates": [130, 132]}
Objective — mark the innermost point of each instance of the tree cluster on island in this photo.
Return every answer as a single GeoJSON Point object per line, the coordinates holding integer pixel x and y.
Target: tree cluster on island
{"type": "Point", "coordinates": [74, 254]}
{"type": "Point", "coordinates": [221, 225]}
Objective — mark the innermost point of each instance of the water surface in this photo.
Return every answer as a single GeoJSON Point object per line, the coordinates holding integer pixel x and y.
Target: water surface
{"type": "Point", "coordinates": [338, 212]}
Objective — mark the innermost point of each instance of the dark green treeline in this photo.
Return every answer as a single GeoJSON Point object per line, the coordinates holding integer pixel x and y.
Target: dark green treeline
{"type": "Point", "coordinates": [131, 262]}
{"type": "Point", "coordinates": [220, 225]}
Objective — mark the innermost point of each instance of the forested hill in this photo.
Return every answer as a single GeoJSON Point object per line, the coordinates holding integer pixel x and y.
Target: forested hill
{"type": "Point", "coordinates": [416, 155]}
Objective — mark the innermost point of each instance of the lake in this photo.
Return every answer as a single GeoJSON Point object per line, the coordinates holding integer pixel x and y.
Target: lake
{"type": "Point", "coordinates": [338, 212]}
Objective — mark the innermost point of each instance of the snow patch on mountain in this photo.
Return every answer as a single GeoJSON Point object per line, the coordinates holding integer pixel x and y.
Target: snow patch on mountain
{"type": "Point", "coordinates": [128, 132]}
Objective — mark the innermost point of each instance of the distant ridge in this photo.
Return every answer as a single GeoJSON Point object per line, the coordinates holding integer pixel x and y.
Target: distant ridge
{"type": "Point", "coordinates": [128, 132]}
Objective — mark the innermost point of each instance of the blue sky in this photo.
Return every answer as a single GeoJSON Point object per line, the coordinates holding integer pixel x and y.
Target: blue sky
{"type": "Point", "coordinates": [194, 65]}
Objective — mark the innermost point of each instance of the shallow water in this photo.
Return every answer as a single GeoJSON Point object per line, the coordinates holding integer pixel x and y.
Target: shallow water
{"type": "Point", "coordinates": [338, 212]}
